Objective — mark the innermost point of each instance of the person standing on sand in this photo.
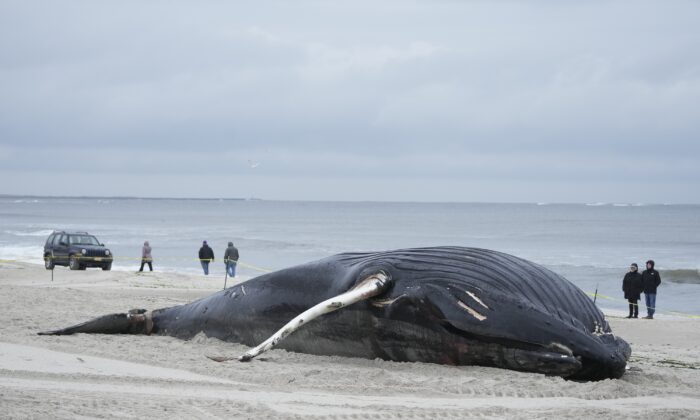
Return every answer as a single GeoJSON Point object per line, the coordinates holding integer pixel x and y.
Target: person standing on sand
{"type": "Point", "coordinates": [231, 259]}
{"type": "Point", "coordinates": [651, 279]}
{"type": "Point", "coordinates": [632, 286]}
{"type": "Point", "coordinates": [146, 257]}
{"type": "Point", "coordinates": [206, 255]}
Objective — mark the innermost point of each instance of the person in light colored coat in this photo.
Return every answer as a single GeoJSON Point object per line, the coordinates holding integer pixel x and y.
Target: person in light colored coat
{"type": "Point", "coordinates": [146, 257]}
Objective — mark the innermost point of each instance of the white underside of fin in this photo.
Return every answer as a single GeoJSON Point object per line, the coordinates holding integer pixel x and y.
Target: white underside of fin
{"type": "Point", "coordinates": [369, 287]}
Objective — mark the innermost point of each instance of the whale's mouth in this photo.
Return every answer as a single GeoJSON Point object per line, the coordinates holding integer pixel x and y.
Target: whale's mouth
{"type": "Point", "coordinates": [611, 364]}
{"type": "Point", "coordinates": [554, 359]}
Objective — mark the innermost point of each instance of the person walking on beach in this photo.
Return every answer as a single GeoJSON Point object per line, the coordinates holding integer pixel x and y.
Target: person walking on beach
{"type": "Point", "coordinates": [231, 259]}
{"type": "Point", "coordinates": [632, 286]}
{"type": "Point", "coordinates": [651, 279]}
{"type": "Point", "coordinates": [146, 257]}
{"type": "Point", "coordinates": [206, 255]}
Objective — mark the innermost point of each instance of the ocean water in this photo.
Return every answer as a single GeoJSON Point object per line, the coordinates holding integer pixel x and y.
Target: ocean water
{"type": "Point", "coordinates": [590, 244]}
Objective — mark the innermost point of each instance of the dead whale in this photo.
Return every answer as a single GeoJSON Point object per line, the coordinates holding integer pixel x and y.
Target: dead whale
{"type": "Point", "coordinates": [446, 305]}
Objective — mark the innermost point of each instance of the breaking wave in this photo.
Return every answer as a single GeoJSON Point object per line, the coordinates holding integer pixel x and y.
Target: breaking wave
{"type": "Point", "coordinates": [691, 276]}
{"type": "Point", "coordinates": [45, 233]}
{"type": "Point", "coordinates": [31, 254]}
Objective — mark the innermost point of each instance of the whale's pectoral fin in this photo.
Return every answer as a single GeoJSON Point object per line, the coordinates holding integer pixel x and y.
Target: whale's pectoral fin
{"type": "Point", "coordinates": [136, 321]}
{"type": "Point", "coordinates": [371, 286]}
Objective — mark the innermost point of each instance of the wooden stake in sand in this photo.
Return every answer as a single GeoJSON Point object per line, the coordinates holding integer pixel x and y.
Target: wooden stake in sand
{"type": "Point", "coordinates": [595, 295]}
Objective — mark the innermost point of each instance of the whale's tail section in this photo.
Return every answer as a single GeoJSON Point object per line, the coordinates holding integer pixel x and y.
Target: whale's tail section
{"type": "Point", "coordinates": [136, 321]}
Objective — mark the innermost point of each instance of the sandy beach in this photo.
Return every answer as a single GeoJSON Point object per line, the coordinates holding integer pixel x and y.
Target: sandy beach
{"type": "Point", "coordinates": [119, 376]}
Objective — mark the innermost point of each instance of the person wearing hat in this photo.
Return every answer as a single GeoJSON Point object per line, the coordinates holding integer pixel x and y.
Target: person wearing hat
{"type": "Point", "coordinates": [206, 255]}
{"type": "Point", "coordinates": [632, 286]}
{"type": "Point", "coordinates": [231, 259]}
{"type": "Point", "coordinates": [651, 279]}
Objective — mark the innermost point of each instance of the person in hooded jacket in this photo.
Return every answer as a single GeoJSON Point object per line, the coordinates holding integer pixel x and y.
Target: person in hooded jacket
{"type": "Point", "coordinates": [146, 257]}
{"type": "Point", "coordinates": [651, 279]}
{"type": "Point", "coordinates": [231, 259]}
{"type": "Point", "coordinates": [206, 255]}
{"type": "Point", "coordinates": [632, 286]}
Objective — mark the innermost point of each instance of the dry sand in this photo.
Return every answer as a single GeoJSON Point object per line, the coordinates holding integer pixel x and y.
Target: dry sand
{"type": "Point", "coordinates": [119, 376]}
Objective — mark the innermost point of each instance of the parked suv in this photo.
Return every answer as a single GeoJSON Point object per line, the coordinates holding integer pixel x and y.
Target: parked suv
{"type": "Point", "coordinates": [77, 250]}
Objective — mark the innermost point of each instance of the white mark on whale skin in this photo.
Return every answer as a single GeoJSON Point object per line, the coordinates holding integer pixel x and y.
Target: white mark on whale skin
{"type": "Point", "coordinates": [243, 290]}
{"type": "Point", "coordinates": [560, 348]}
{"type": "Point", "coordinates": [473, 296]}
{"type": "Point", "coordinates": [471, 311]}
{"type": "Point", "coordinates": [380, 303]}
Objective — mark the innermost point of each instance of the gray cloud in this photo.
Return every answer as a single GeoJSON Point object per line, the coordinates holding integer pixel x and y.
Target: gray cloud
{"type": "Point", "coordinates": [599, 96]}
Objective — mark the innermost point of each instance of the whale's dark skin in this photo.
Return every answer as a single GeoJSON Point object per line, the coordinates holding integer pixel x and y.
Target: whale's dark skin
{"type": "Point", "coordinates": [447, 305]}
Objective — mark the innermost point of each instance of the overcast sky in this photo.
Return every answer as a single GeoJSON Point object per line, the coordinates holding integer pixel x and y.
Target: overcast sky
{"type": "Point", "coordinates": [522, 101]}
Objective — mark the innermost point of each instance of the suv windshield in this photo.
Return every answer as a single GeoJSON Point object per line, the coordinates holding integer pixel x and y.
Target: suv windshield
{"type": "Point", "coordinates": [83, 240]}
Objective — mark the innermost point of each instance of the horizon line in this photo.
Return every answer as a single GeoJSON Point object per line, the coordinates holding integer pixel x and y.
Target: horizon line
{"type": "Point", "coordinates": [539, 203]}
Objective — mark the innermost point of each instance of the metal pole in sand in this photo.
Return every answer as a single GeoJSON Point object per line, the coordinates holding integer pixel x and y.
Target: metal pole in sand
{"type": "Point", "coordinates": [225, 276]}
{"type": "Point", "coordinates": [595, 295]}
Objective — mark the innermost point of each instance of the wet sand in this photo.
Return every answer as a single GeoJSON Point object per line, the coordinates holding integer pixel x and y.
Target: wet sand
{"type": "Point", "coordinates": [118, 376]}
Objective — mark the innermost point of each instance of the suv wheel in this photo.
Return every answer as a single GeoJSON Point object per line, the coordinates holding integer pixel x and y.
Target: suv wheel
{"type": "Point", "coordinates": [73, 263]}
{"type": "Point", "coordinates": [107, 267]}
{"type": "Point", "coordinates": [49, 262]}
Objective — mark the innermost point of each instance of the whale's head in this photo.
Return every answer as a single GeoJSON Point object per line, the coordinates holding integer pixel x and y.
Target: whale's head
{"type": "Point", "coordinates": [489, 308]}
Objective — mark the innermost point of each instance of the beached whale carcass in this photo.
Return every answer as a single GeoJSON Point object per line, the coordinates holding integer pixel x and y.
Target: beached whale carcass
{"type": "Point", "coordinates": [447, 305]}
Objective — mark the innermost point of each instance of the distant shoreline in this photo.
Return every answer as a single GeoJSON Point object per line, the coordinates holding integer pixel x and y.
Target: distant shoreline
{"type": "Point", "coordinates": [68, 197]}
{"type": "Point", "coordinates": [532, 203]}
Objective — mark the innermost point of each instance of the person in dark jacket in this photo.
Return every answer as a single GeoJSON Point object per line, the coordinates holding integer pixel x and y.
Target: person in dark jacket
{"type": "Point", "coordinates": [231, 259]}
{"type": "Point", "coordinates": [206, 255]}
{"type": "Point", "coordinates": [632, 286]}
{"type": "Point", "coordinates": [651, 279]}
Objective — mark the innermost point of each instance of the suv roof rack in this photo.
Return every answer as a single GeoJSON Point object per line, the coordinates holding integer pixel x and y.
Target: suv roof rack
{"type": "Point", "coordinates": [71, 232]}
